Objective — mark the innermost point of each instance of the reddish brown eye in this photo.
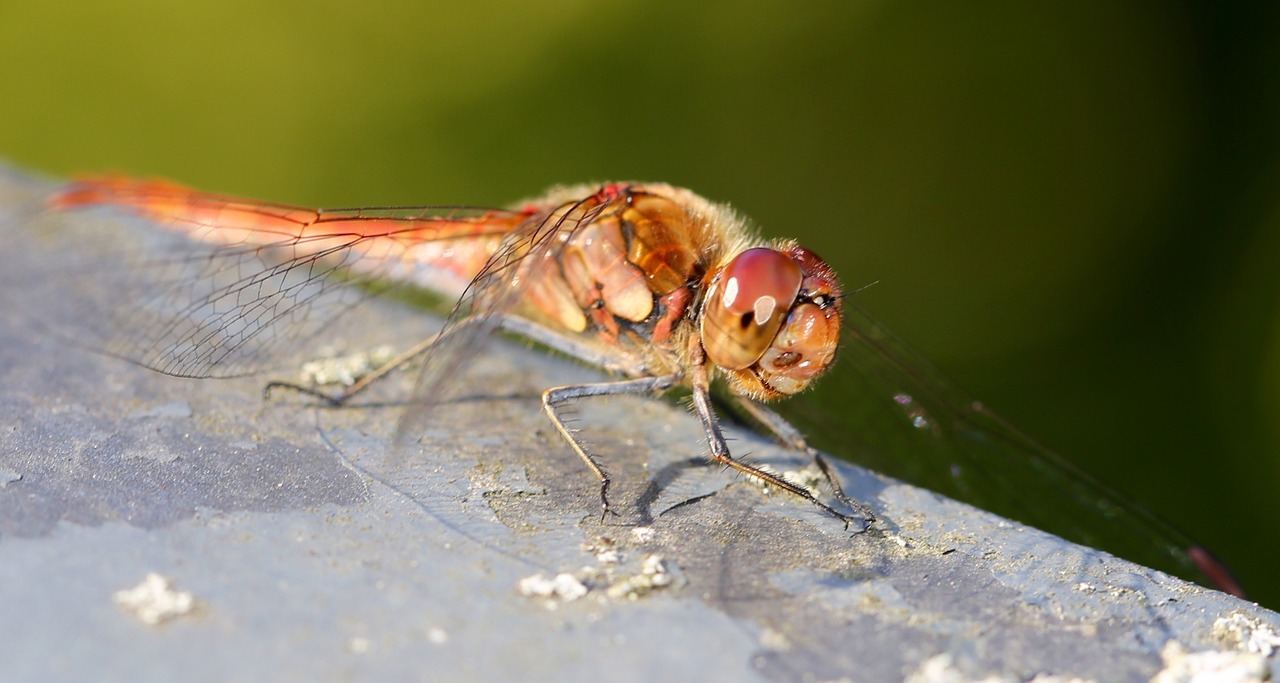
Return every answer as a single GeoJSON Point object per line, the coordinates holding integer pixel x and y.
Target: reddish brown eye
{"type": "Point", "coordinates": [747, 305]}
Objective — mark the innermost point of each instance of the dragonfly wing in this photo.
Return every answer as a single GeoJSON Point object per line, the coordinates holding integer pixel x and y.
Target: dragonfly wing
{"type": "Point", "coordinates": [914, 424]}
{"type": "Point", "coordinates": [492, 296]}
{"type": "Point", "coordinates": [201, 285]}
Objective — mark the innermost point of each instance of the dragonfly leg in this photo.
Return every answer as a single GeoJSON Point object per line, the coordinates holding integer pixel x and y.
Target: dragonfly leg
{"type": "Point", "coordinates": [554, 398]}
{"type": "Point", "coordinates": [511, 324]}
{"type": "Point", "coordinates": [788, 435]}
{"type": "Point", "coordinates": [701, 384]}
{"type": "Point", "coordinates": [361, 384]}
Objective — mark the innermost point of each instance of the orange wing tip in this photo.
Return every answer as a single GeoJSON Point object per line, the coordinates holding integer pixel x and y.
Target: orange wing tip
{"type": "Point", "coordinates": [113, 190]}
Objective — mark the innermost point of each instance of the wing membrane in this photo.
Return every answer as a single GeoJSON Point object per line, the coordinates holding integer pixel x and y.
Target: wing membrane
{"type": "Point", "coordinates": [202, 285]}
{"type": "Point", "coordinates": [912, 423]}
{"type": "Point", "coordinates": [494, 293]}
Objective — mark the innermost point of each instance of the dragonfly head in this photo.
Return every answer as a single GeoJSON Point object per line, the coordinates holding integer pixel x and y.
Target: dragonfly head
{"type": "Point", "coordinates": [771, 320]}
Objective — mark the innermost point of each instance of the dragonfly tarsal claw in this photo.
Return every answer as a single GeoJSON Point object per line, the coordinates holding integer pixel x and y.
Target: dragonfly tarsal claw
{"type": "Point", "coordinates": [605, 508]}
{"type": "Point", "coordinates": [333, 401]}
{"type": "Point", "coordinates": [861, 509]}
{"type": "Point", "coordinates": [864, 519]}
{"type": "Point", "coordinates": [867, 521]}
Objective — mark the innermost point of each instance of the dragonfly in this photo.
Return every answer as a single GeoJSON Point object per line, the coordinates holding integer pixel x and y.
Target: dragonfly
{"type": "Point", "coordinates": [652, 283]}
{"type": "Point", "coordinates": [647, 281]}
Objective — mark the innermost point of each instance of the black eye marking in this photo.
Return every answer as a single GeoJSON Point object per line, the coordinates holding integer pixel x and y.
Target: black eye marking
{"type": "Point", "coordinates": [786, 359]}
{"type": "Point", "coordinates": [820, 300]}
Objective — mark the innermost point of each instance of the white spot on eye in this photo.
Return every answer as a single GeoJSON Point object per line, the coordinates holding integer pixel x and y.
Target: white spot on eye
{"type": "Point", "coordinates": [764, 308]}
{"type": "Point", "coordinates": [730, 292]}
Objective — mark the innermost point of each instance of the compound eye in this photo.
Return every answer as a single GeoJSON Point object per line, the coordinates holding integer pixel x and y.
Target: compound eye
{"type": "Point", "coordinates": [747, 305]}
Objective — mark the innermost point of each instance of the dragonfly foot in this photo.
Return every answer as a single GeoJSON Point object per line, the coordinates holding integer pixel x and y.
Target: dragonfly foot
{"type": "Point", "coordinates": [333, 401]}
{"type": "Point", "coordinates": [605, 508]}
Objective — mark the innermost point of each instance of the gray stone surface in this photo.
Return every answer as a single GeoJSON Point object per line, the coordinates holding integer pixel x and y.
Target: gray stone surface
{"type": "Point", "coordinates": [317, 549]}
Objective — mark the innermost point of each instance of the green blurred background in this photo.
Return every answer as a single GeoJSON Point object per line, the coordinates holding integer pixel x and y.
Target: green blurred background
{"type": "Point", "coordinates": [1071, 209]}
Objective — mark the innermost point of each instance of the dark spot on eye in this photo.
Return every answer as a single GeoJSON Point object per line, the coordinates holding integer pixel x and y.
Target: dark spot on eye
{"type": "Point", "coordinates": [745, 321]}
{"type": "Point", "coordinates": [822, 301]}
{"type": "Point", "coordinates": [786, 359]}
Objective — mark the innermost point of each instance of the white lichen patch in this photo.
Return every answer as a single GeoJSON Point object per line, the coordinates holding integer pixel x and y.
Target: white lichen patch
{"type": "Point", "coordinates": [1181, 666]}
{"type": "Point", "coordinates": [899, 540]}
{"type": "Point", "coordinates": [942, 669]}
{"type": "Point", "coordinates": [605, 550]}
{"type": "Point", "coordinates": [655, 573]}
{"type": "Point", "coordinates": [774, 639]}
{"type": "Point", "coordinates": [643, 534]}
{"type": "Point", "coordinates": [563, 587]}
{"type": "Point", "coordinates": [809, 478]}
{"type": "Point", "coordinates": [344, 370]}
{"type": "Point", "coordinates": [1246, 634]}
{"type": "Point", "coordinates": [155, 600]}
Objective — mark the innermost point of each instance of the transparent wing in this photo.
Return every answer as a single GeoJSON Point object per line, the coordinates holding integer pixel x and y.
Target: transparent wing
{"type": "Point", "coordinates": [495, 292]}
{"type": "Point", "coordinates": [899, 415]}
{"type": "Point", "coordinates": [200, 285]}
